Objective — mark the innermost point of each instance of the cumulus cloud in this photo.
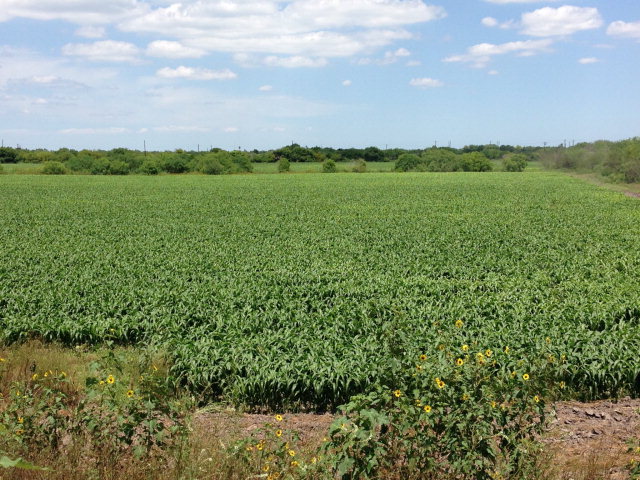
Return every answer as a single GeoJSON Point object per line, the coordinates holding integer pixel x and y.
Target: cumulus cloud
{"type": "Point", "coordinates": [489, 22]}
{"type": "Point", "coordinates": [503, 2]}
{"type": "Point", "coordinates": [346, 83]}
{"type": "Point", "coordinates": [93, 131]}
{"type": "Point", "coordinates": [170, 49]}
{"type": "Point", "coordinates": [588, 60]}
{"type": "Point", "coordinates": [565, 20]}
{"type": "Point", "coordinates": [82, 12]}
{"type": "Point", "coordinates": [481, 54]}
{"type": "Point", "coordinates": [104, 51]}
{"type": "Point", "coordinates": [624, 29]}
{"type": "Point", "coordinates": [196, 73]}
{"type": "Point", "coordinates": [425, 82]}
{"type": "Point", "coordinates": [308, 28]}
{"type": "Point", "coordinates": [91, 31]}
{"type": "Point", "coordinates": [295, 61]}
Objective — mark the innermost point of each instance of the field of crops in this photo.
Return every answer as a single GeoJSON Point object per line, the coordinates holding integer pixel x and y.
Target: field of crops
{"type": "Point", "coordinates": [300, 290]}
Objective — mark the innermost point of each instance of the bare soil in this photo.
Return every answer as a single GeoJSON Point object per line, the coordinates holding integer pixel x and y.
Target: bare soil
{"type": "Point", "coordinates": [586, 441]}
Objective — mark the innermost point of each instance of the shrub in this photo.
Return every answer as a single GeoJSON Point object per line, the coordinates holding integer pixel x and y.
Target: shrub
{"type": "Point", "coordinates": [176, 163]}
{"type": "Point", "coordinates": [150, 166]}
{"type": "Point", "coordinates": [514, 163]}
{"type": "Point", "coordinates": [456, 414]}
{"type": "Point", "coordinates": [475, 162]}
{"type": "Point", "coordinates": [8, 155]}
{"type": "Point", "coordinates": [283, 165]}
{"type": "Point", "coordinates": [360, 166]}
{"type": "Point", "coordinates": [118, 167]}
{"type": "Point", "coordinates": [53, 168]}
{"type": "Point", "coordinates": [407, 162]}
{"type": "Point", "coordinates": [329, 166]}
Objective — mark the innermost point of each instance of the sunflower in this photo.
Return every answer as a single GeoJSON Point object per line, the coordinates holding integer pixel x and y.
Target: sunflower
{"type": "Point", "coordinates": [111, 379]}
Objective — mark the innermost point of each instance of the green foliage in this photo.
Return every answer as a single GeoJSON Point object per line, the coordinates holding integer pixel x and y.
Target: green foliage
{"type": "Point", "coordinates": [300, 292]}
{"type": "Point", "coordinates": [514, 163]}
{"type": "Point", "coordinates": [329, 166]}
{"type": "Point", "coordinates": [360, 166]}
{"type": "Point", "coordinates": [373, 154]}
{"type": "Point", "coordinates": [634, 464]}
{"type": "Point", "coordinates": [177, 162]}
{"type": "Point", "coordinates": [115, 414]}
{"type": "Point", "coordinates": [455, 413]}
{"type": "Point", "coordinates": [8, 155]}
{"type": "Point", "coordinates": [284, 165]}
{"type": "Point", "coordinates": [475, 162]}
{"type": "Point", "coordinates": [53, 168]}
{"type": "Point", "coordinates": [407, 162]}
{"type": "Point", "coordinates": [441, 160]}
{"type": "Point", "coordinates": [295, 153]}
{"type": "Point", "coordinates": [151, 166]}
{"type": "Point", "coordinates": [619, 161]}
{"type": "Point", "coordinates": [6, 462]}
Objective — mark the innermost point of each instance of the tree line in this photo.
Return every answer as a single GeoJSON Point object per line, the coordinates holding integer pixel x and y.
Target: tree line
{"type": "Point", "coordinates": [122, 161]}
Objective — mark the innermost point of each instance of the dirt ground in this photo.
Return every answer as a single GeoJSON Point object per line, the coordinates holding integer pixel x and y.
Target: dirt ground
{"type": "Point", "coordinates": [586, 441]}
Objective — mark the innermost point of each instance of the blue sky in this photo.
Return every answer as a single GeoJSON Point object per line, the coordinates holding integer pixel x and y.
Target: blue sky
{"type": "Point", "coordinates": [342, 73]}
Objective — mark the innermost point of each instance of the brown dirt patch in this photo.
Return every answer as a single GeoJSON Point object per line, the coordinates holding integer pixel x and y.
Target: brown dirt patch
{"type": "Point", "coordinates": [586, 441]}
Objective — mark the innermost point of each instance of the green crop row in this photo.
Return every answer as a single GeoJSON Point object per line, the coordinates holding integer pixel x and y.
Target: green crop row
{"type": "Point", "coordinates": [300, 291]}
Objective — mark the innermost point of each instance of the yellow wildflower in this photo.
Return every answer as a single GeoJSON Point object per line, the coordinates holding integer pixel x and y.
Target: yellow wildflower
{"type": "Point", "coordinates": [20, 420]}
{"type": "Point", "coordinates": [536, 398]}
{"type": "Point", "coordinates": [130, 393]}
{"type": "Point", "coordinates": [459, 323]}
{"type": "Point", "coordinates": [525, 377]}
{"type": "Point", "coordinates": [294, 463]}
{"type": "Point", "coordinates": [465, 348]}
{"type": "Point", "coordinates": [423, 357]}
{"type": "Point", "coordinates": [459, 362]}
{"type": "Point", "coordinates": [278, 433]}
{"type": "Point", "coordinates": [506, 349]}
{"type": "Point", "coordinates": [292, 453]}
{"type": "Point", "coordinates": [488, 353]}
{"type": "Point", "coordinates": [111, 379]}
{"type": "Point", "coordinates": [279, 418]}
{"type": "Point", "coordinates": [397, 393]}
{"type": "Point", "coordinates": [427, 408]}
{"type": "Point", "coordinates": [34, 377]}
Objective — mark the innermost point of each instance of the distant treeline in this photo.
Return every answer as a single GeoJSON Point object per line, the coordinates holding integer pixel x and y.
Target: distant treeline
{"type": "Point", "coordinates": [121, 161]}
{"type": "Point", "coordinates": [618, 161]}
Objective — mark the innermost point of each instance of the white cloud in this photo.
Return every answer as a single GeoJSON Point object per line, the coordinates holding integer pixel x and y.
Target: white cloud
{"type": "Point", "coordinates": [93, 131]}
{"type": "Point", "coordinates": [503, 2]}
{"type": "Point", "coordinates": [391, 56]}
{"type": "Point", "coordinates": [306, 28]}
{"type": "Point", "coordinates": [624, 29]}
{"type": "Point", "coordinates": [103, 51]}
{"type": "Point", "coordinates": [295, 61]}
{"type": "Point", "coordinates": [489, 22]}
{"type": "Point", "coordinates": [588, 60]}
{"type": "Point", "coordinates": [231, 129]}
{"type": "Point", "coordinates": [493, 72]}
{"type": "Point", "coordinates": [196, 73]}
{"type": "Point", "coordinates": [265, 88]}
{"type": "Point", "coordinates": [565, 20]}
{"type": "Point", "coordinates": [82, 12]}
{"type": "Point", "coordinates": [170, 49]}
{"type": "Point", "coordinates": [347, 83]}
{"type": "Point", "coordinates": [481, 54]}
{"type": "Point", "coordinates": [91, 31]}
{"type": "Point", "coordinates": [425, 83]}
{"type": "Point", "coordinates": [180, 128]}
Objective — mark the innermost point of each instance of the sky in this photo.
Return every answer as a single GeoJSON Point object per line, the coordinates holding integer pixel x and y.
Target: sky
{"type": "Point", "coordinates": [260, 74]}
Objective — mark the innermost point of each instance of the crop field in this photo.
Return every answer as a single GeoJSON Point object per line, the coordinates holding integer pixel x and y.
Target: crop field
{"type": "Point", "coordinates": [298, 291]}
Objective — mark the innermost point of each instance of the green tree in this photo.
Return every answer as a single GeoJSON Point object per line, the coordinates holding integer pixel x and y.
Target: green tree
{"type": "Point", "coordinates": [407, 162]}
{"type": "Point", "coordinates": [475, 162]}
{"type": "Point", "coordinates": [283, 165]}
{"type": "Point", "coordinates": [53, 168]}
{"type": "Point", "coordinates": [516, 162]}
{"type": "Point", "coordinates": [373, 154]}
{"type": "Point", "coordinates": [329, 166]}
{"type": "Point", "coordinates": [8, 155]}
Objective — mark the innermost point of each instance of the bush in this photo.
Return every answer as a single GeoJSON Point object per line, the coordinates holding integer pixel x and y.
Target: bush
{"type": "Point", "coordinates": [118, 167]}
{"type": "Point", "coordinates": [514, 163]}
{"type": "Point", "coordinates": [456, 414]}
{"type": "Point", "coordinates": [329, 166]}
{"type": "Point", "coordinates": [360, 166]}
{"type": "Point", "coordinates": [211, 165]}
{"type": "Point", "coordinates": [150, 167]}
{"type": "Point", "coordinates": [407, 162]}
{"type": "Point", "coordinates": [8, 155]}
{"type": "Point", "coordinates": [283, 165]}
{"type": "Point", "coordinates": [53, 168]}
{"type": "Point", "coordinates": [176, 163]}
{"type": "Point", "coordinates": [475, 162]}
